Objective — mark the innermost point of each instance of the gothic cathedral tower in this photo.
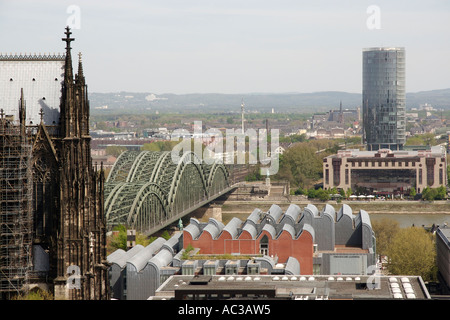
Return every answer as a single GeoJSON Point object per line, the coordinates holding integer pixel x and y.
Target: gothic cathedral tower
{"type": "Point", "coordinates": [68, 196]}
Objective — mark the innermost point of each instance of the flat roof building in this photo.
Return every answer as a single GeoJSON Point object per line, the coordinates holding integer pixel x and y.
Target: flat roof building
{"type": "Point", "coordinates": [291, 287]}
{"type": "Point", "coordinates": [386, 171]}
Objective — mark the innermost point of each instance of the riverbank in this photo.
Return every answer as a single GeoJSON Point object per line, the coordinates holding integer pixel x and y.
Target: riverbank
{"type": "Point", "coordinates": [404, 209]}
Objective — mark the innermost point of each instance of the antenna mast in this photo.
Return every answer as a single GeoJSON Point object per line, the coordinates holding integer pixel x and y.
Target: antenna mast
{"type": "Point", "coordinates": [242, 114]}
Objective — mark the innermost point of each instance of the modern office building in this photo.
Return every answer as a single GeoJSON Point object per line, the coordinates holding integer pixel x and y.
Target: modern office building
{"type": "Point", "coordinates": [384, 98]}
{"type": "Point", "coordinates": [385, 171]}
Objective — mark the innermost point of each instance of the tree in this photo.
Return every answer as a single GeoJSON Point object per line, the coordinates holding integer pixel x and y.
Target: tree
{"type": "Point", "coordinates": [412, 192]}
{"type": "Point", "coordinates": [312, 193]}
{"type": "Point", "coordinates": [323, 195]}
{"type": "Point", "coordinates": [349, 192]}
{"type": "Point", "coordinates": [412, 251]}
{"type": "Point", "coordinates": [441, 193]}
{"type": "Point", "coordinates": [119, 241]}
{"type": "Point", "coordinates": [428, 194]}
{"type": "Point", "coordinates": [431, 194]}
{"type": "Point", "coordinates": [385, 230]}
{"type": "Point", "coordinates": [300, 165]}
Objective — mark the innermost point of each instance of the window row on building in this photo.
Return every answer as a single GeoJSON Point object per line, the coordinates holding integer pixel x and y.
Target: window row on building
{"type": "Point", "coordinates": [386, 171]}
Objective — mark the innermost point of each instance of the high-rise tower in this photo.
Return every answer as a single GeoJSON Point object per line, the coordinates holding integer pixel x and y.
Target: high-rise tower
{"type": "Point", "coordinates": [384, 98]}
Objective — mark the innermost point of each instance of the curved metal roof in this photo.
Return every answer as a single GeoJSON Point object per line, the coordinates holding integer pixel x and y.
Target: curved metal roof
{"type": "Point", "coordinates": [115, 255]}
{"type": "Point", "coordinates": [141, 259]}
{"type": "Point", "coordinates": [293, 212]}
{"type": "Point", "coordinates": [193, 228]}
{"type": "Point", "coordinates": [287, 227]}
{"type": "Point", "coordinates": [232, 227]}
{"type": "Point", "coordinates": [173, 243]}
{"type": "Point", "coordinates": [329, 211]}
{"type": "Point", "coordinates": [365, 219]}
{"type": "Point", "coordinates": [270, 229]}
{"type": "Point", "coordinates": [292, 266]}
{"type": "Point", "coordinates": [255, 216]}
{"type": "Point", "coordinates": [275, 212]}
{"type": "Point", "coordinates": [345, 210]}
{"type": "Point", "coordinates": [308, 228]}
{"type": "Point", "coordinates": [312, 209]}
{"type": "Point", "coordinates": [161, 259]}
{"type": "Point", "coordinates": [219, 225]}
{"type": "Point", "coordinates": [212, 229]}
{"type": "Point", "coordinates": [251, 229]}
{"type": "Point", "coordinates": [121, 260]}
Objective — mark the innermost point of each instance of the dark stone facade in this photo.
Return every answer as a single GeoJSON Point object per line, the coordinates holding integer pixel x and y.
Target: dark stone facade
{"type": "Point", "coordinates": [69, 227]}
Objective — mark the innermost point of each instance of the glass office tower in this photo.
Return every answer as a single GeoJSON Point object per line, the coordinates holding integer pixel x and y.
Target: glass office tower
{"type": "Point", "coordinates": [384, 98]}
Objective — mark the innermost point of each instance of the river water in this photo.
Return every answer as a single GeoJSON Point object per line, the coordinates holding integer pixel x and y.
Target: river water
{"type": "Point", "coordinates": [407, 220]}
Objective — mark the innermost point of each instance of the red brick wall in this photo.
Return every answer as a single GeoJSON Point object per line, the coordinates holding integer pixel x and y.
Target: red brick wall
{"type": "Point", "coordinates": [283, 247]}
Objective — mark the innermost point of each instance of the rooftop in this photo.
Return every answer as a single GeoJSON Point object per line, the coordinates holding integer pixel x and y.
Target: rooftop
{"type": "Point", "coordinates": [436, 151]}
{"type": "Point", "coordinates": [383, 49]}
{"type": "Point", "coordinates": [292, 287]}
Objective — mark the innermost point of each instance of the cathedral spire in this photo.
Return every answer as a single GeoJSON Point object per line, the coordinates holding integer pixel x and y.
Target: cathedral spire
{"type": "Point", "coordinates": [80, 68]}
{"type": "Point", "coordinates": [68, 66]}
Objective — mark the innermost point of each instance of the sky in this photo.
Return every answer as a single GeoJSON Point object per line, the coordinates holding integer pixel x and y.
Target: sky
{"type": "Point", "coordinates": [230, 46]}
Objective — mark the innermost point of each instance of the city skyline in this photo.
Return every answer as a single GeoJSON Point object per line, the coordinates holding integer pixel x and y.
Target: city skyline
{"type": "Point", "coordinates": [234, 47]}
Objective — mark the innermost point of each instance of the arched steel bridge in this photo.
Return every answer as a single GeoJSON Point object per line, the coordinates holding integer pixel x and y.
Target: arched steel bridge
{"type": "Point", "coordinates": [147, 190]}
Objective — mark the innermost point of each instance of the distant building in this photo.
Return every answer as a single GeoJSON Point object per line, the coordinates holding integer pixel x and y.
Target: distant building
{"type": "Point", "coordinates": [386, 171]}
{"type": "Point", "coordinates": [384, 97]}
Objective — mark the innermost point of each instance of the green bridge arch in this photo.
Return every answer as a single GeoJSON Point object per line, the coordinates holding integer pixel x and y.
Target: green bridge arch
{"type": "Point", "coordinates": [147, 190]}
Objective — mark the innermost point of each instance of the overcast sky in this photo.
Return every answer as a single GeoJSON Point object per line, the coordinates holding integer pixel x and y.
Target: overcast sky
{"type": "Point", "coordinates": [229, 46]}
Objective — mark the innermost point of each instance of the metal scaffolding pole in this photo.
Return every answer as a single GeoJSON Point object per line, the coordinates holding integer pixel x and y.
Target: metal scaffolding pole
{"type": "Point", "coordinates": [15, 207]}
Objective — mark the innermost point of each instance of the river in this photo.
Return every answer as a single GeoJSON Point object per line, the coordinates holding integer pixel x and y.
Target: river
{"type": "Point", "coordinates": [407, 220]}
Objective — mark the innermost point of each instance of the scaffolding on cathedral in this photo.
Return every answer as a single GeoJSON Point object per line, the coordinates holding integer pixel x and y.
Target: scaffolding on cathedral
{"type": "Point", "coordinates": [16, 194]}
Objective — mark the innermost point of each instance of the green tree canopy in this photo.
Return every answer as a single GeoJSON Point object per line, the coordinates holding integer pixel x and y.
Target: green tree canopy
{"type": "Point", "coordinates": [300, 165]}
{"type": "Point", "coordinates": [385, 230]}
{"type": "Point", "coordinates": [119, 240]}
{"type": "Point", "coordinates": [412, 251]}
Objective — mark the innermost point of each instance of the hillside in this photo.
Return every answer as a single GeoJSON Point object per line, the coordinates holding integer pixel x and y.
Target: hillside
{"type": "Point", "coordinates": [260, 102]}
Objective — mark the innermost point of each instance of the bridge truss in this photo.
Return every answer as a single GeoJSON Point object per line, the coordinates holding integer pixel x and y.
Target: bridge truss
{"type": "Point", "coordinates": [147, 190]}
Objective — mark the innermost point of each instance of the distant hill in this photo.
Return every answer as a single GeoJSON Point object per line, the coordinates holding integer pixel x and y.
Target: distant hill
{"type": "Point", "coordinates": [261, 102]}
